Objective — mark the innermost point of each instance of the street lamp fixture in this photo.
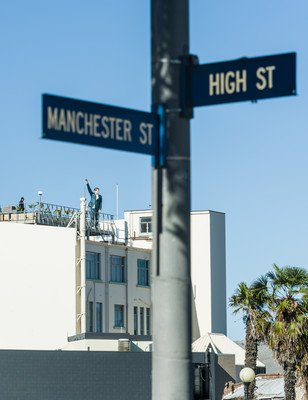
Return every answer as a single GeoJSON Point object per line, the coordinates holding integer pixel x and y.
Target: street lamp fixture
{"type": "Point", "coordinates": [40, 193]}
{"type": "Point", "coordinates": [247, 375]}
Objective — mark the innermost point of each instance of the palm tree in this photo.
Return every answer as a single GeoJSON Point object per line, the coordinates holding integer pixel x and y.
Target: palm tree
{"type": "Point", "coordinates": [302, 375]}
{"type": "Point", "coordinates": [284, 324]}
{"type": "Point", "coordinates": [250, 301]}
{"type": "Point", "coordinates": [302, 369]}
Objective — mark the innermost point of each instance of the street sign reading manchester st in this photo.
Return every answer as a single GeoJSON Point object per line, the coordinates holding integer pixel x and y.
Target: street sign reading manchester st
{"type": "Point", "coordinates": [100, 125]}
{"type": "Point", "coordinates": [243, 79]}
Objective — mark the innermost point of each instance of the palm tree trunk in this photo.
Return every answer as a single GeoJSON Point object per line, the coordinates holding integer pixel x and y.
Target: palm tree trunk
{"type": "Point", "coordinates": [251, 353]}
{"type": "Point", "coordinates": [289, 381]}
{"type": "Point", "coordinates": [301, 387]}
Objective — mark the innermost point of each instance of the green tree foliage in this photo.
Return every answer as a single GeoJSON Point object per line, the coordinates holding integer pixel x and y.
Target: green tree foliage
{"type": "Point", "coordinates": [283, 321]}
{"type": "Point", "coordinates": [275, 310]}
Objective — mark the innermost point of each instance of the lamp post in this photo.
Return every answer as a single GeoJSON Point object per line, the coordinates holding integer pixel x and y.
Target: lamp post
{"type": "Point", "coordinates": [247, 375]}
{"type": "Point", "coordinates": [40, 193]}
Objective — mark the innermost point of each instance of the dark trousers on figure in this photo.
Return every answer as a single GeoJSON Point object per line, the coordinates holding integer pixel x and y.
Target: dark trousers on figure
{"type": "Point", "coordinates": [94, 219]}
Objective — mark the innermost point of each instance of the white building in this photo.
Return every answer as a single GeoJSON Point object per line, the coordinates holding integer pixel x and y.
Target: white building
{"type": "Point", "coordinates": [44, 300]}
{"type": "Point", "coordinates": [208, 264]}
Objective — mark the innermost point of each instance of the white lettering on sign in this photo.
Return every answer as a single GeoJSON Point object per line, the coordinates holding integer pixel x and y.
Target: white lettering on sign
{"type": "Point", "coordinates": [146, 131]}
{"type": "Point", "coordinates": [79, 129]}
{"type": "Point", "coordinates": [88, 124]}
{"type": "Point", "coordinates": [70, 120]}
{"type": "Point", "coordinates": [265, 75]}
{"type": "Point", "coordinates": [228, 82]}
{"type": "Point", "coordinates": [97, 125]}
{"type": "Point", "coordinates": [52, 118]}
{"type": "Point", "coordinates": [230, 85]}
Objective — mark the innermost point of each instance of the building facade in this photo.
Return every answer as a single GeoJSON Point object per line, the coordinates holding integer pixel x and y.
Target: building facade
{"type": "Point", "coordinates": [118, 290]}
{"type": "Point", "coordinates": [52, 289]}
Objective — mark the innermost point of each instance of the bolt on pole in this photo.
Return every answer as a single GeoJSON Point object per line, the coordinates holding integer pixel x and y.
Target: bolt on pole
{"type": "Point", "coordinates": [171, 284]}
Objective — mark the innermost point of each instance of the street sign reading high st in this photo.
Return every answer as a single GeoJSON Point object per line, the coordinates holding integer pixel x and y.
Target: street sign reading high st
{"type": "Point", "coordinates": [100, 125]}
{"type": "Point", "coordinates": [243, 79]}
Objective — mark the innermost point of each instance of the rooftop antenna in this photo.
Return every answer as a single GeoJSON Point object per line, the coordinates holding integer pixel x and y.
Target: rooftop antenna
{"type": "Point", "coordinates": [40, 193]}
{"type": "Point", "coordinates": [117, 202]}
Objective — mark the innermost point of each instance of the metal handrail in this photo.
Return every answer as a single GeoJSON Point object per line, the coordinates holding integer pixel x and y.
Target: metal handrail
{"type": "Point", "coordinates": [105, 222]}
{"type": "Point", "coordinates": [53, 214]}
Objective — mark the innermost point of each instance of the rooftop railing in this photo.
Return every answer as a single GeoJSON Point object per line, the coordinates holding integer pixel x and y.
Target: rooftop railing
{"type": "Point", "coordinates": [55, 215]}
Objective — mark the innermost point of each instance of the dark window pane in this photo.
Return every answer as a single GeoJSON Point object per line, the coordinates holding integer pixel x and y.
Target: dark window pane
{"type": "Point", "coordinates": [143, 277]}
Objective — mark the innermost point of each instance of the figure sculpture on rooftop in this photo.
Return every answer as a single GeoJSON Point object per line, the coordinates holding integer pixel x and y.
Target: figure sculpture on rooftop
{"type": "Point", "coordinates": [21, 206]}
{"type": "Point", "coordinates": [95, 204]}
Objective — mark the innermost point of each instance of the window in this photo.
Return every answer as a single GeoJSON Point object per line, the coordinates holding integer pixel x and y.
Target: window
{"type": "Point", "coordinates": [145, 224]}
{"type": "Point", "coordinates": [93, 266]}
{"type": "Point", "coordinates": [141, 321]}
{"type": "Point", "coordinates": [90, 319]}
{"type": "Point", "coordinates": [99, 317]}
{"type": "Point", "coordinates": [118, 316]}
{"type": "Point", "coordinates": [135, 320]}
{"type": "Point", "coordinates": [117, 269]}
{"type": "Point", "coordinates": [148, 319]}
{"type": "Point", "coordinates": [143, 272]}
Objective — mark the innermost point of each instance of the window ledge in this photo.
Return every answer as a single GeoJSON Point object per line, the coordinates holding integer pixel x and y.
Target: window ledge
{"type": "Point", "coordinates": [95, 280]}
{"type": "Point", "coordinates": [143, 236]}
{"type": "Point", "coordinates": [144, 286]}
{"type": "Point", "coordinates": [119, 327]}
{"type": "Point", "coordinates": [118, 283]}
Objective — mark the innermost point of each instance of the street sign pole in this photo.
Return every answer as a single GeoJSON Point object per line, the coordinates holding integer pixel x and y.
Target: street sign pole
{"type": "Point", "coordinates": [171, 284]}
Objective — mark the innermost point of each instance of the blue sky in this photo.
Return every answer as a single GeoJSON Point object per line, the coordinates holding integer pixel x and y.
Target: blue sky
{"type": "Point", "coordinates": [248, 160]}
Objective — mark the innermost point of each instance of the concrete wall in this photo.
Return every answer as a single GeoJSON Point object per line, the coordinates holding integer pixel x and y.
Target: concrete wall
{"type": "Point", "coordinates": [218, 272]}
{"type": "Point", "coordinates": [201, 271]}
{"type": "Point", "coordinates": [78, 375]}
{"type": "Point", "coordinates": [37, 286]}
{"type": "Point", "coordinates": [208, 270]}
{"type": "Point", "coordinates": [62, 375]}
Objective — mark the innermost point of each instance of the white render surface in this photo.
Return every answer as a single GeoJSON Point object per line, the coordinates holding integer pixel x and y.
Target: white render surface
{"type": "Point", "coordinates": [208, 270]}
{"type": "Point", "coordinates": [37, 286]}
{"type": "Point", "coordinates": [208, 266]}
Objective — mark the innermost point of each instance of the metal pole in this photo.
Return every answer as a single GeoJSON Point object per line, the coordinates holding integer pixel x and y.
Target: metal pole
{"type": "Point", "coordinates": [246, 386]}
{"type": "Point", "coordinates": [117, 202]}
{"type": "Point", "coordinates": [39, 205]}
{"type": "Point", "coordinates": [83, 265]}
{"type": "Point", "coordinates": [171, 285]}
